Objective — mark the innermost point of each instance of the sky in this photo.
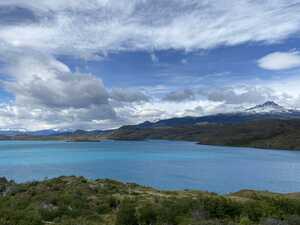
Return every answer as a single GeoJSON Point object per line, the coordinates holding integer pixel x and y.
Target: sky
{"type": "Point", "coordinates": [101, 64]}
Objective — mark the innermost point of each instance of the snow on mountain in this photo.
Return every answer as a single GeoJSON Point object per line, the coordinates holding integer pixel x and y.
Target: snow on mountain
{"type": "Point", "coordinates": [267, 107]}
{"type": "Point", "coordinates": [266, 110]}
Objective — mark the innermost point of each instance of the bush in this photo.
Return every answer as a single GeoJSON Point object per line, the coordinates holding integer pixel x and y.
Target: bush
{"type": "Point", "coordinates": [253, 211]}
{"type": "Point", "coordinates": [293, 220]}
{"type": "Point", "coordinates": [220, 207]}
{"type": "Point", "coordinates": [127, 214]}
{"type": "Point", "coordinates": [147, 215]}
{"type": "Point", "coordinates": [245, 221]}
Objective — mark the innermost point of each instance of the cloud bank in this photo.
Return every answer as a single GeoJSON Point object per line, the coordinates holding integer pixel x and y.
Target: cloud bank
{"type": "Point", "coordinates": [48, 94]}
{"type": "Point", "coordinates": [97, 26]}
{"type": "Point", "coordinates": [46, 91]}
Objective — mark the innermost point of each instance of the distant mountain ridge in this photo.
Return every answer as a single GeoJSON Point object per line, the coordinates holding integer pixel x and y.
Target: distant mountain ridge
{"type": "Point", "coordinates": [268, 125]}
{"type": "Point", "coordinates": [267, 110]}
{"type": "Point", "coordinates": [33, 133]}
{"type": "Point", "coordinates": [49, 132]}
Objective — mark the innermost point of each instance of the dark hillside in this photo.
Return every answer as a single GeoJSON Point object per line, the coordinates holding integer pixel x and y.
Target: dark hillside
{"type": "Point", "coordinates": [277, 134]}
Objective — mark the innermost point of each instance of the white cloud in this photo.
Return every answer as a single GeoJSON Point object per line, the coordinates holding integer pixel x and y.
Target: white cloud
{"type": "Point", "coordinates": [180, 95]}
{"type": "Point", "coordinates": [92, 26]}
{"type": "Point", "coordinates": [128, 95]}
{"type": "Point", "coordinates": [49, 95]}
{"type": "Point", "coordinates": [197, 111]}
{"type": "Point", "coordinates": [242, 95]}
{"type": "Point", "coordinates": [42, 80]}
{"type": "Point", "coordinates": [280, 60]}
{"type": "Point", "coordinates": [154, 58]}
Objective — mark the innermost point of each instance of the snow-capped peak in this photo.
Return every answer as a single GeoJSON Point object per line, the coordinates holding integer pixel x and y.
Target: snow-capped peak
{"type": "Point", "coordinates": [267, 107]}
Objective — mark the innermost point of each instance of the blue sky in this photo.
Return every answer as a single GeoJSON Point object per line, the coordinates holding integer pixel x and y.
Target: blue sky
{"type": "Point", "coordinates": [138, 68]}
{"type": "Point", "coordinates": [99, 64]}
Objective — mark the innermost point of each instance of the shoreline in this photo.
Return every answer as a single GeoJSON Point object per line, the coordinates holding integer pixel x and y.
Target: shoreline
{"type": "Point", "coordinates": [76, 200]}
{"type": "Point", "coordinates": [46, 179]}
{"type": "Point", "coordinates": [146, 139]}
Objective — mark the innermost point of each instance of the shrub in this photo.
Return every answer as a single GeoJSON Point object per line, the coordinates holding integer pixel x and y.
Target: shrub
{"type": "Point", "coordinates": [245, 221]}
{"type": "Point", "coordinates": [126, 214]}
{"type": "Point", "coordinates": [293, 220]}
{"type": "Point", "coordinates": [147, 215]}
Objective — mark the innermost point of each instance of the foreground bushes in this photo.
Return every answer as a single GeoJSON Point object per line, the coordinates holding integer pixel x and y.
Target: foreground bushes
{"type": "Point", "coordinates": [209, 211]}
{"type": "Point", "coordinates": [77, 201]}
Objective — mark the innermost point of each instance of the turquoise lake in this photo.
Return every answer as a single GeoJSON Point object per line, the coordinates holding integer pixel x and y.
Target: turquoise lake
{"type": "Point", "coordinates": [159, 164]}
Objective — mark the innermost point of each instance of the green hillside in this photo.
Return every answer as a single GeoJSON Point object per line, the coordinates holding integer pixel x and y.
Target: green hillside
{"type": "Point", "coordinates": [276, 134]}
{"type": "Point", "coordinates": [78, 201]}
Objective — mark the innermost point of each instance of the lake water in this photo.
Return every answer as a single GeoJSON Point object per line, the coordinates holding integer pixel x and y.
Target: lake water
{"type": "Point", "coordinates": [160, 164]}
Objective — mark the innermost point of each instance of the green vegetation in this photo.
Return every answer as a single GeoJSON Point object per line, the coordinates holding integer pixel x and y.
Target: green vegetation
{"type": "Point", "coordinates": [267, 133]}
{"type": "Point", "coordinates": [78, 201]}
{"type": "Point", "coordinates": [275, 134]}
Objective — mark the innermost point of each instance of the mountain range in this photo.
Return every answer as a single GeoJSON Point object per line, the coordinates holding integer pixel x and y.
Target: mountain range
{"type": "Point", "coordinates": [268, 125]}
{"type": "Point", "coordinates": [267, 110]}
{"type": "Point", "coordinates": [48, 132]}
